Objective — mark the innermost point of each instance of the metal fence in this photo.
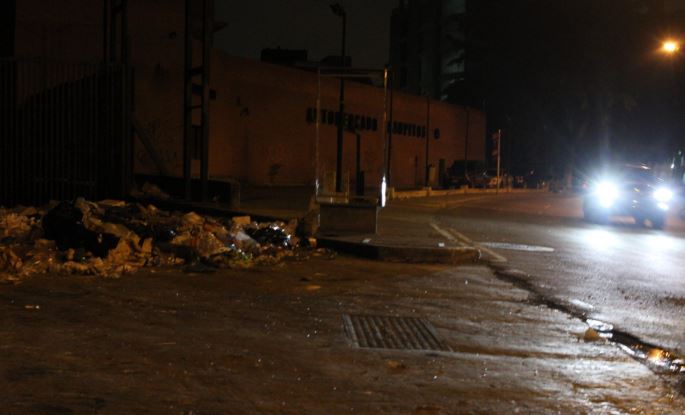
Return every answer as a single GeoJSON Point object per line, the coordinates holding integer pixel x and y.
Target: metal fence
{"type": "Point", "coordinates": [65, 131]}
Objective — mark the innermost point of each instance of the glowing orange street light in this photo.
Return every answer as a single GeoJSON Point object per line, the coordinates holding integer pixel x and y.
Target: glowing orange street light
{"type": "Point", "coordinates": [670, 47]}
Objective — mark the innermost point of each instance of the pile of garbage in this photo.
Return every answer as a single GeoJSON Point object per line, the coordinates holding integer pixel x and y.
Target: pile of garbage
{"type": "Point", "coordinates": [111, 238]}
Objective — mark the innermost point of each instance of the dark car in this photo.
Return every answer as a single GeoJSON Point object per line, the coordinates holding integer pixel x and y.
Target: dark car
{"type": "Point", "coordinates": [476, 180]}
{"type": "Point", "coordinates": [529, 179]}
{"type": "Point", "coordinates": [485, 179]}
{"type": "Point", "coordinates": [629, 190]}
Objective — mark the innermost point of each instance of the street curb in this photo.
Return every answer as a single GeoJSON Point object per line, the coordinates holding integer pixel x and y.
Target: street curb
{"type": "Point", "coordinates": [447, 255]}
{"type": "Point", "coordinates": [428, 192]}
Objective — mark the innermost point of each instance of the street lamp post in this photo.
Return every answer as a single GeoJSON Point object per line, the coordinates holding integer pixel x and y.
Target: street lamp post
{"type": "Point", "coordinates": [340, 12]}
{"type": "Point", "coordinates": [671, 48]}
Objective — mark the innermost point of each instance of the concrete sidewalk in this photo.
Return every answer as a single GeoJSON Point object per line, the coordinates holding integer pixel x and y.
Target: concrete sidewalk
{"type": "Point", "coordinates": [318, 337]}
{"type": "Point", "coordinates": [397, 239]}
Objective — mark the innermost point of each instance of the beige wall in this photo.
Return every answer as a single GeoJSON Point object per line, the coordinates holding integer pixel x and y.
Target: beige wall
{"type": "Point", "coordinates": [259, 120]}
{"type": "Point", "coordinates": [259, 131]}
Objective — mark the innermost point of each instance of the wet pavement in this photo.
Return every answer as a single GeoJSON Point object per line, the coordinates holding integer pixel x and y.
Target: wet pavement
{"type": "Point", "coordinates": [624, 275]}
{"type": "Point", "coordinates": [524, 334]}
{"type": "Point", "coordinates": [629, 276]}
{"type": "Point", "coordinates": [275, 341]}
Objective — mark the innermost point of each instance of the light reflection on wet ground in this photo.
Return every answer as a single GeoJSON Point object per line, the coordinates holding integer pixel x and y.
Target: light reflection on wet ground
{"type": "Point", "coordinates": [630, 276]}
{"type": "Point", "coordinates": [659, 360]}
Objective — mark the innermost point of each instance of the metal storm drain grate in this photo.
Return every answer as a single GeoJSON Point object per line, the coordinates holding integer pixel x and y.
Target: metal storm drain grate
{"type": "Point", "coordinates": [380, 332]}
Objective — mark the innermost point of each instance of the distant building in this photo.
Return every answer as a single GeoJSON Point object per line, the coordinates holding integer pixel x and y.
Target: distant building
{"type": "Point", "coordinates": [427, 46]}
{"type": "Point", "coordinates": [262, 117]}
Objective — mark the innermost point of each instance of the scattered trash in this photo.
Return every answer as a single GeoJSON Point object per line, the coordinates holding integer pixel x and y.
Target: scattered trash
{"type": "Point", "coordinates": [270, 233]}
{"type": "Point", "coordinates": [240, 221]}
{"type": "Point", "coordinates": [591, 335]}
{"type": "Point", "coordinates": [366, 240]}
{"type": "Point", "coordinates": [441, 244]}
{"type": "Point", "coordinates": [113, 237]}
{"type": "Point", "coordinates": [32, 307]}
{"type": "Point", "coordinates": [65, 225]}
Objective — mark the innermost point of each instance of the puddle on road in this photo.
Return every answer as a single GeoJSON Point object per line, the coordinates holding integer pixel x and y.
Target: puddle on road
{"type": "Point", "coordinates": [516, 247]}
{"type": "Point", "coordinates": [658, 359]}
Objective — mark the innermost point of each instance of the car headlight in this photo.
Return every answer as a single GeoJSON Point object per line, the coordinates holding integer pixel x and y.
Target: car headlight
{"type": "Point", "coordinates": [663, 195]}
{"type": "Point", "coordinates": [607, 193]}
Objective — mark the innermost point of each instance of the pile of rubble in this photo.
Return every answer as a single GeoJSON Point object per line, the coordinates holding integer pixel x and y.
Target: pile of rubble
{"type": "Point", "coordinates": [110, 238]}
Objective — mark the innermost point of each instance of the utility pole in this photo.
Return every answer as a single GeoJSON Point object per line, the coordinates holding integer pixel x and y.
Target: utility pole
{"type": "Point", "coordinates": [340, 12]}
{"type": "Point", "coordinates": [499, 158]}
{"type": "Point", "coordinates": [428, 117]}
{"type": "Point", "coordinates": [466, 146]}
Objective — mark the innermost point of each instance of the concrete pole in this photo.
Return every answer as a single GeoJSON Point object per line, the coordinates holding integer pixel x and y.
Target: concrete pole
{"type": "Point", "coordinates": [428, 117]}
{"type": "Point", "coordinates": [317, 117]}
{"type": "Point", "coordinates": [499, 157]}
{"type": "Point", "coordinates": [341, 110]}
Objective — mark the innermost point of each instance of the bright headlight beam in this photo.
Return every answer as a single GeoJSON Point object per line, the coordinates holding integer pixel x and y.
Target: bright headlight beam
{"type": "Point", "coordinates": [607, 193]}
{"type": "Point", "coordinates": [663, 194]}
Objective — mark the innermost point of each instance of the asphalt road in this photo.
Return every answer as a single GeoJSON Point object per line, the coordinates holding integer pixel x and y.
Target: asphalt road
{"type": "Point", "coordinates": [628, 276]}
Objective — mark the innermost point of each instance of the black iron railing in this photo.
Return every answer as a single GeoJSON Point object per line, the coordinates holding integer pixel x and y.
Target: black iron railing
{"type": "Point", "coordinates": [65, 131]}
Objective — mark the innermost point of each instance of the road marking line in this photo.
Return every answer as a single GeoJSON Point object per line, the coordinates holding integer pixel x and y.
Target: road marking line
{"type": "Point", "coordinates": [517, 247]}
{"type": "Point", "coordinates": [442, 232]}
{"type": "Point", "coordinates": [453, 235]}
{"type": "Point", "coordinates": [497, 257]}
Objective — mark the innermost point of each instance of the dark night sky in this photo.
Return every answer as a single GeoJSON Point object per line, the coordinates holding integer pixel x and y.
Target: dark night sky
{"type": "Point", "coordinates": [306, 24]}
{"type": "Point", "coordinates": [568, 81]}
